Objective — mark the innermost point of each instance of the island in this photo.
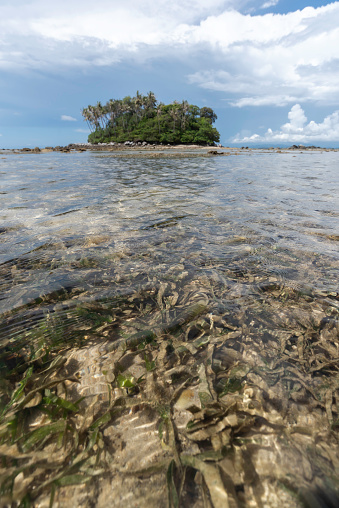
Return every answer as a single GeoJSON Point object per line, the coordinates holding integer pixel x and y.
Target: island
{"type": "Point", "coordinates": [142, 119]}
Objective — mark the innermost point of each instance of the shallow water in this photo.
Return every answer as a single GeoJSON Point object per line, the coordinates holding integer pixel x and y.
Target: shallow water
{"type": "Point", "coordinates": [238, 252]}
{"type": "Point", "coordinates": [251, 207]}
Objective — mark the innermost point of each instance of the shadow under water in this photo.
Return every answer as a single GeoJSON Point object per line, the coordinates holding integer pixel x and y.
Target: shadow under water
{"type": "Point", "coordinates": [171, 343]}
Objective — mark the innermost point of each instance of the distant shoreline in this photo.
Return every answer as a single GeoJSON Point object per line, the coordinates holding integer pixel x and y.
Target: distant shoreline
{"type": "Point", "coordinates": [146, 148]}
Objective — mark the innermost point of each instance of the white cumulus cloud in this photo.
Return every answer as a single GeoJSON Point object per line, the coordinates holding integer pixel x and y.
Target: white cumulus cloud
{"type": "Point", "coordinates": [67, 118]}
{"type": "Point", "coordinates": [263, 59]}
{"type": "Point", "coordinates": [297, 130]}
{"type": "Point", "coordinates": [273, 59]}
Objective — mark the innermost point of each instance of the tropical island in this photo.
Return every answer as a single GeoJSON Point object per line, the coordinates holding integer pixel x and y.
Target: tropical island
{"type": "Point", "coordinates": [143, 119]}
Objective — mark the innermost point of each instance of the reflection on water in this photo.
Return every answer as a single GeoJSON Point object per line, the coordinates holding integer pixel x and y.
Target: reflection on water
{"type": "Point", "coordinates": [193, 303]}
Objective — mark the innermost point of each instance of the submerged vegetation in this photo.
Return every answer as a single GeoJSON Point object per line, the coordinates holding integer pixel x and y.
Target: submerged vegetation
{"type": "Point", "coordinates": [160, 348]}
{"type": "Point", "coordinates": [143, 119]}
{"type": "Point", "coordinates": [180, 382]}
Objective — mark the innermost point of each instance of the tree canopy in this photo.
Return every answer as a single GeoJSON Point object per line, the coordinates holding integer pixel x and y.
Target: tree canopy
{"type": "Point", "coordinates": [143, 118]}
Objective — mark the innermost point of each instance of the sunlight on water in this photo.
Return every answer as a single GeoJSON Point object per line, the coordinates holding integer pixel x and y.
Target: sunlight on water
{"type": "Point", "coordinates": [170, 324]}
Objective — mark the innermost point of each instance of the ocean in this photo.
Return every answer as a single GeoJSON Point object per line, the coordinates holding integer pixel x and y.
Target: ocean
{"type": "Point", "coordinates": [169, 328]}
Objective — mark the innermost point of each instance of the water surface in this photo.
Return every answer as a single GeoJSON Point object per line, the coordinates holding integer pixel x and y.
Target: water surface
{"type": "Point", "coordinates": [223, 273]}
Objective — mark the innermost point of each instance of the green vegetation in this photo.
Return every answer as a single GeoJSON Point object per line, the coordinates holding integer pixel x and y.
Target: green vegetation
{"type": "Point", "coordinates": [142, 118]}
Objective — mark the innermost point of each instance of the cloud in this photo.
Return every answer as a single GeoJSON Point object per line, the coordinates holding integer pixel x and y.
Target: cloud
{"type": "Point", "coordinates": [67, 118]}
{"type": "Point", "coordinates": [297, 130]}
{"type": "Point", "coordinates": [270, 3]}
{"type": "Point", "coordinates": [273, 59]}
{"type": "Point", "coordinates": [84, 131]}
{"type": "Point", "coordinates": [259, 60]}
{"type": "Point", "coordinates": [297, 120]}
{"type": "Point", "coordinates": [118, 23]}
{"type": "Point", "coordinates": [39, 34]}
{"type": "Point", "coordinates": [266, 100]}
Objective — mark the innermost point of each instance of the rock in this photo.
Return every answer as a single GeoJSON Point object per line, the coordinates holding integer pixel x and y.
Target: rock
{"type": "Point", "coordinates": [36, 150]}
{"type": "Point", "coordinates": [215, 152]}
{"type": "Point", "coordinates": [303, 147]}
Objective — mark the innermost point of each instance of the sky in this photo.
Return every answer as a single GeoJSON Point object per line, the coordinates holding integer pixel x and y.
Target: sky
{"type": "Point", "coordinates": [268, 68]}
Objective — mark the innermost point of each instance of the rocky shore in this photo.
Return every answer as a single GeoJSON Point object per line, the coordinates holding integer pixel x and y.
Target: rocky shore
{"type": "Point", "coordinates": [131, 149]}
{"type": "Point", "coordinates": [130, 146]}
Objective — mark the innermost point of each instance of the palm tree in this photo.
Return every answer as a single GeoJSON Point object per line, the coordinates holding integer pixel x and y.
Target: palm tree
{"type": "Point", "coordinates": [115, 110]}
{"type": "Point", "coordinates": [138, 104]}
{"type": "Point", "coordinates": [94, 112]}
{"type": "Point", "coordinates": [93, 118]}
{"type": "Point", "coordinates": [159, 113]}
{"type": "Point", "coordinates": [126, 107]}
{"type": "Point", "coordinates": [87, 117]}
{"type": "Point", "coordinates": [174, 113]}
{"type": "Point", "coordinates": [184, 110]}
{"type": "Point", "coordinates": [150, 102]}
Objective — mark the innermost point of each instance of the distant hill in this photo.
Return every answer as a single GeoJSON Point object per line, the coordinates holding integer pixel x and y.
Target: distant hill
{"type": "Point", "coordinates": [143, 118]}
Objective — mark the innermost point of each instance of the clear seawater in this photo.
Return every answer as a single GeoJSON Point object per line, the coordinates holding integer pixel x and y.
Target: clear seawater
{"type": "Point", "coordinates": [251, 238]}
{"type": "Point", "coordinates": [262, 213]}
